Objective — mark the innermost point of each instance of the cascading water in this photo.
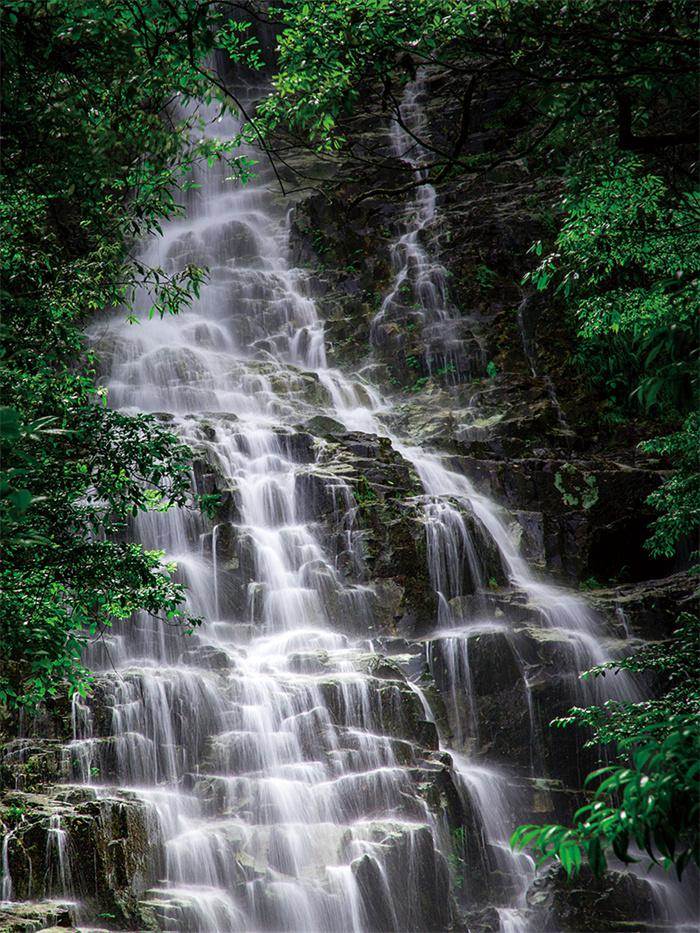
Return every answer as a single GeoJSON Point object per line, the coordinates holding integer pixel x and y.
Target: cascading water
{"type": "Point", "coordinates": [281, 772]}
{"type": "Point", "coordinates": [6, 888]}
{"type": "Point", "coordinates": [419, 294]}
{"type": "Point", "coordinates": [57, 858]}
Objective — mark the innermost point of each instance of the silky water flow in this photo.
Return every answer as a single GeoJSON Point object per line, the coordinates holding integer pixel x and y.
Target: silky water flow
{"type": "Point", "coordinates": [278, 769]}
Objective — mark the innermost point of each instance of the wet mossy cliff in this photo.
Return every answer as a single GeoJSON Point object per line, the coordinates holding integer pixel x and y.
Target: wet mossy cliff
{"type": "Point", "coordinates": [511, 405]}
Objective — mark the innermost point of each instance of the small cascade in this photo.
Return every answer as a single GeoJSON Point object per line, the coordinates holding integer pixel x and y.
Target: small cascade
{"type": "Point", "coordinates": [59, 875]}
{"type": "Point", "coordinates": [511, 920]}
{"type": "Point", "coordinates": [491, 792]}
{"type": "Point", "coordinates": [77, 755]}
{"type": "Point", "coordinates": [448, 659]}
{"type": "Point", "coordinates": [453, 558]}
{"type": "Point", "coordinates": [6, 889]}
{"type": "Point", "coordinates": [527, 337]}
{"type": "Point", "coordinates": [554, 607]}
{"type": "Point", "coordinates": [419, 295]}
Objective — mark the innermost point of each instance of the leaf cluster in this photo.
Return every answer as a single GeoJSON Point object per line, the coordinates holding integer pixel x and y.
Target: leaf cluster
{"type": "Point", "coordinates": [650, 805]}
{"type": "Point", "coordinates": [585, 69]}
{"type": "Point", "coordinates": [677, 501]}
{"type": "Point", "coordinates": [648, 802]}
{"type": "Point", "coordinates": [675, 666]}
{"type": "Point", "coordinates": [626, 261]}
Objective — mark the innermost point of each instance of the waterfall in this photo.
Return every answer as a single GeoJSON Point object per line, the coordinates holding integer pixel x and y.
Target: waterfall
{"type": "Point", "coordinates": [490, 791]}
{"type": "Point", "coordinates": [6, 886]}
{"type": "Point", "coordinates": [281, 772]}
{"type": "Point", "coordinates": [60, 879]}
{"type": "Point", "coordinates": [288, 781]}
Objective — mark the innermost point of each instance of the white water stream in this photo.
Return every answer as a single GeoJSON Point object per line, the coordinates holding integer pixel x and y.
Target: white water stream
{"type": "Point", "coordinates": [281, 774]}
{"type": "Point", "coordinates": [419, 294]}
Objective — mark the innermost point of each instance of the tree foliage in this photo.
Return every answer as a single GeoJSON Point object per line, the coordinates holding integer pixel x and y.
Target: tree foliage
{"type": "Point", "coordinates": [626, 259]}
{"type": "Point", "coordinates": [100, 129]}
{"type": "Point", "coordinates": [649, 802]}
{"type": "Point", "coordinates": [589, 67]}
{"type": "Point", "coordinates": [678, 500]}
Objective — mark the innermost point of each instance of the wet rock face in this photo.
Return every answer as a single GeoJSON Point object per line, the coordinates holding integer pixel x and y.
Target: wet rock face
{"type": "Point", "coordinates": [579, 518]}
{"type": "Point", "coordinates": [360, 493]}
{"type": "Point", "coordinates": [71, 843]}
{"type": "Point", "coordinates": [412, 863]}
{"type": "Point", "coordinates": [500, 699]}
{"type": "Point", "coordinates": [34, 917]}
{"type": "Point", "coordinates": [609, 903]}
{"type": "Point", "coordinates": [31, 764]}
{"type": "Point", "coordinates": [647, 610]}
{"type": "Point", "coordinates": [526, 432]}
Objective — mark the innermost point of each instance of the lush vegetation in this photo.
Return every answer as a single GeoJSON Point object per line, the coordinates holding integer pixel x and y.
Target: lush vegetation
{"type": "Point", "coordinates": [626, 260]}
{"type": "Point", "coordinates": [90, 166]}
